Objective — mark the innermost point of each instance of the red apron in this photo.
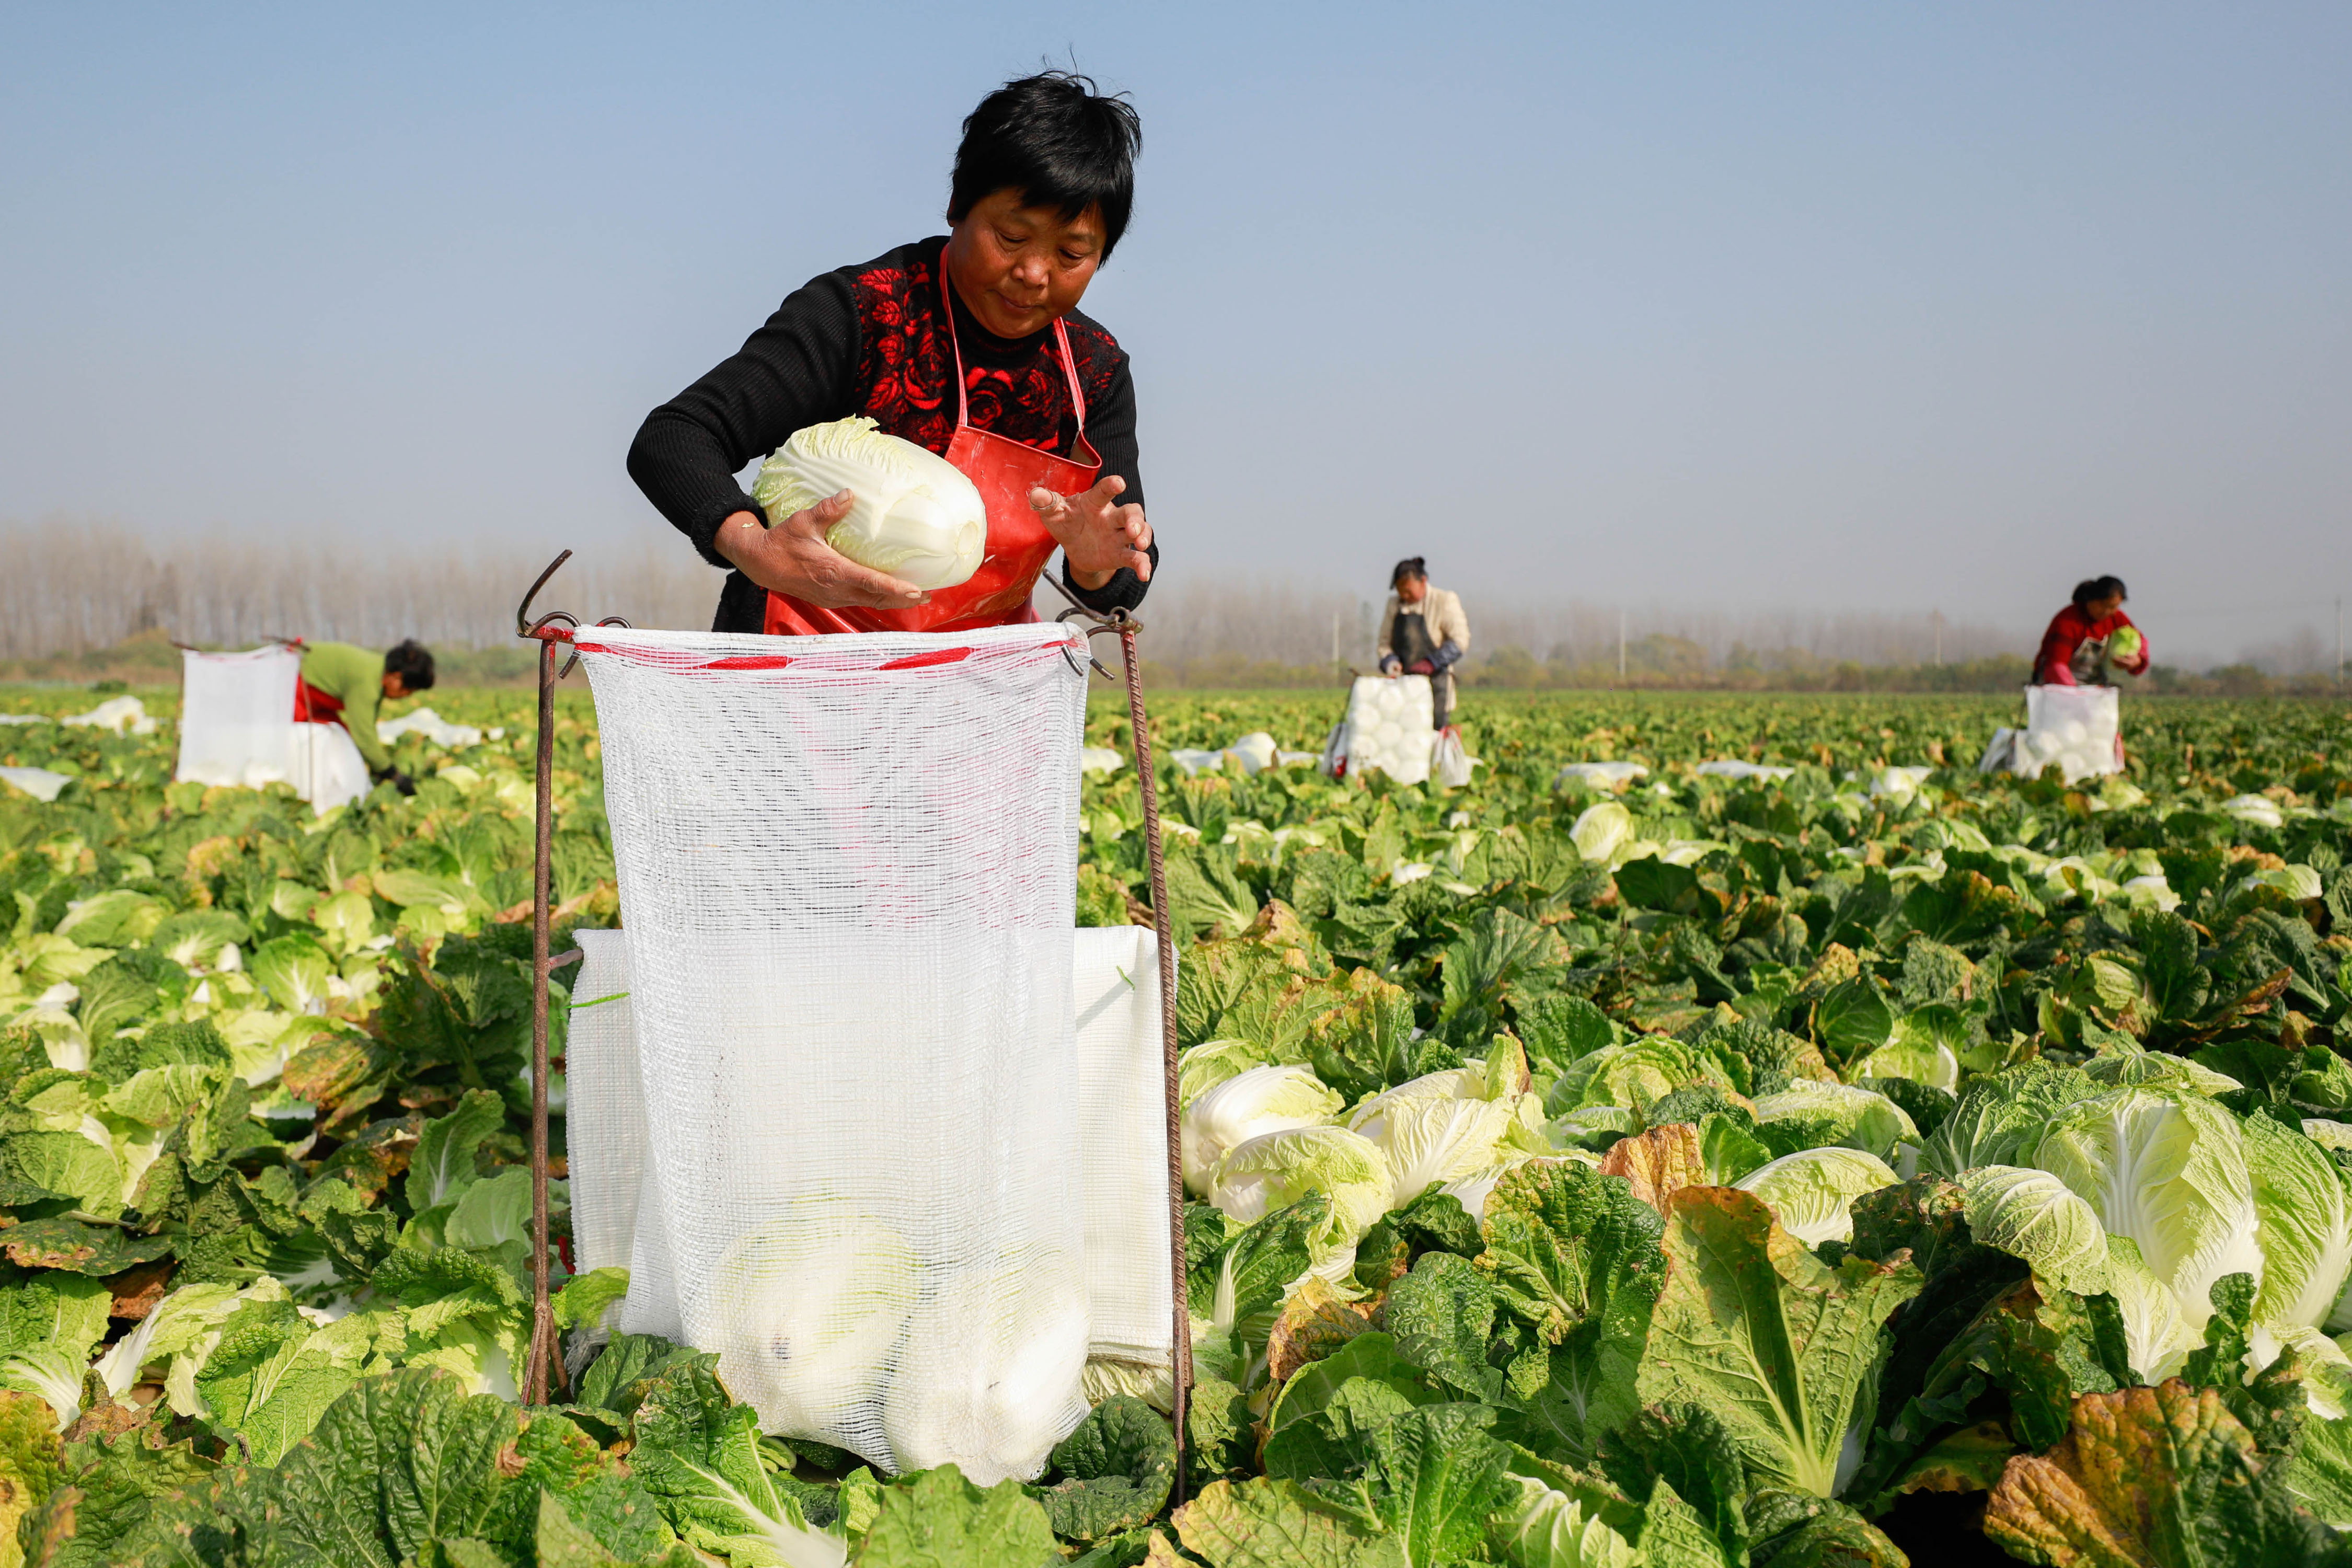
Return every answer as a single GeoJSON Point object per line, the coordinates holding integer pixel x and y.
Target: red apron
{"type": "Point", "coordinates": [1003, 469]}
{"type": "Point", "coordinates": [312, 706]}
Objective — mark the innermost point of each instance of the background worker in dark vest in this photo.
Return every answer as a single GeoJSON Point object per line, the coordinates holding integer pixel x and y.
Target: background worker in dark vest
{"type": "Point", "coordinates": [1423, 631]}
{"type": "Point", "coordinates": [349, 686]}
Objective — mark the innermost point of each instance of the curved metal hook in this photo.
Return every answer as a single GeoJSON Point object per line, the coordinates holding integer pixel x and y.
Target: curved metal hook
{"type": "Point", "coordinates": [524, 626]}
{"type": "Point", "coordinates": [1098, 629]}
{"type": "Point", "coordinates": [571, 663]}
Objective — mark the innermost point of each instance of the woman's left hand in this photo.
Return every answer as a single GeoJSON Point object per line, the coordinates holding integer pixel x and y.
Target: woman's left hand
{"type": "Point", "coordinates": [1097, 535]}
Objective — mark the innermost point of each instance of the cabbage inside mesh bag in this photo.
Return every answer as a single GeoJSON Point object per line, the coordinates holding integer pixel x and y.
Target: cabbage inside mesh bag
{"type": "Point", "coordinates": [2073, 728]}
{"type": "Point", "coordinates": [847, 870]}
{"type": "Point", "coordinates": [1389, 726]}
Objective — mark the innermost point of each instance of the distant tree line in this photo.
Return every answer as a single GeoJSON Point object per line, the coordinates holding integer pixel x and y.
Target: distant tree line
{"type": "Point", "coordinates": [83, 600]}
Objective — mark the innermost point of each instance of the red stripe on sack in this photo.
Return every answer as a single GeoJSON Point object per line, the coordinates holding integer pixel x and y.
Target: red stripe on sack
{"type": "Point", "coordinates": [925, 660]}
{"type": "Point", "coordinates": [747, 661]}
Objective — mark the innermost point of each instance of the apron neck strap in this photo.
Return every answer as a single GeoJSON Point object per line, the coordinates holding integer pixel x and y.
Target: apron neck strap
{"type": "Point", "coordinates": [955, 349]}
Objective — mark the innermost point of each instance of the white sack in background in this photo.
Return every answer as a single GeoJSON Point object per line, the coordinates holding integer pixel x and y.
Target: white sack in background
{"type": "Point", "coordinates": [236, 717]}
{"type": "Point", "coordinates": [2078, 729]}
{"type": "Point", "coordinates": [1390, 725]}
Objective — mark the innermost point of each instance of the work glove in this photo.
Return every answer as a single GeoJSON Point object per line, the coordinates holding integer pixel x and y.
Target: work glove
{"type": "Point", "coordinates": [1392, 665]}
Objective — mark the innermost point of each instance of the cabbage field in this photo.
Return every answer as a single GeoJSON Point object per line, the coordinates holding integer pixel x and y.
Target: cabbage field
{"type": "Point", "coordinates": [1730, 1134]}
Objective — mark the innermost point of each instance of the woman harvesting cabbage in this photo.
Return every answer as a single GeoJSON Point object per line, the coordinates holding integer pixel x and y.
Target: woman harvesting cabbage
{"type": "Point", "coordinates": [968, 347]}
{"type": "Point", "coordinates": [2090, 638]}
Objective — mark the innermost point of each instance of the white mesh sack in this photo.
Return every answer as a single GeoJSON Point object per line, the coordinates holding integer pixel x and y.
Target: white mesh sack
{"type": "Point", "coordinates": [2076, 728]}
{"type": "Point", "coordinates": [848, 869]}
{"type": "Point", "coordinates": [1390, 726]}
{"type": "Point", "coordinates": [1123, 1142]}
{"type": "Point", "coordinates": [236, 717]}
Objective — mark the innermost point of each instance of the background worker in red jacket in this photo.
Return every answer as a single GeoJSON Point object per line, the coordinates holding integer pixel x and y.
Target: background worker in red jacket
{"type": "Point", "coordinates": [2091, 638]}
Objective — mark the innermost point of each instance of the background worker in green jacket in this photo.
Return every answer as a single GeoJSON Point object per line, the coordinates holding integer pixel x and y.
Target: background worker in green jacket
{"type": "Point", "coordinates": [345, 685]}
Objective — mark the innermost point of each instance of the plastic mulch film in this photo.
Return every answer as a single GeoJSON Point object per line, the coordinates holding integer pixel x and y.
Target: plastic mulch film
{"type": "Point", "coordinates": [847, 872]}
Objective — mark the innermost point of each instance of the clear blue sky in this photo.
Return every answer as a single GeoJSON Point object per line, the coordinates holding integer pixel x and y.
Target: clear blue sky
{"type": "Point", "coordinates": [1861, 306]}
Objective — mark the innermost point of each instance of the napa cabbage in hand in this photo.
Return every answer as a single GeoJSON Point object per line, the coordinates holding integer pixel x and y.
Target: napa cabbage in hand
{"type": "Point", "coordinates": [913, 513]}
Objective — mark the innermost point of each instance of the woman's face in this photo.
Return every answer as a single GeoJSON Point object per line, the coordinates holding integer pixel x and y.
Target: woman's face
{"type": "Point", "coordinates": [2100, 609]}
{"type": "Point", "coordinates": [1408, 590]}
{"type": "Point", "coordinates": [1018, 269]}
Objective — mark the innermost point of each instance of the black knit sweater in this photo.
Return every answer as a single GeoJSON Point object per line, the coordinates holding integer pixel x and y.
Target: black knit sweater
{"type": "Point", "coordinates": [868, 339]}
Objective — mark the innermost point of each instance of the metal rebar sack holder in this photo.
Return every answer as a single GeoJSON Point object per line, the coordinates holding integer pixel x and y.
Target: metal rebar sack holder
{"type": "Point", "coordinates": [1125, 627]}
{"type": "Point", "coordinates": [553, 627]}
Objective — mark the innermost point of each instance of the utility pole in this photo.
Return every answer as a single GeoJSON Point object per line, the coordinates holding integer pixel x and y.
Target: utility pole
{"type": "Point", "coordinates": [1335, 639]}
{"type": "Point", "coordinates": [1620, 646]}
{"type": "Point", "coordinates": [2339, 642]}
{"type": "Point", "coordinates": [1939, 639]}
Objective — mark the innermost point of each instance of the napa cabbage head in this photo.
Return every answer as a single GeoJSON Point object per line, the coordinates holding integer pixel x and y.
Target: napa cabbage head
{"type": "Point", "coordinates": [2326, 1370]}
{"type": "Point", "coordinates": [1811, 1192]}
{"type": "Point", "coordinates": [815, 1303]}
{"type": "Point", "coordinates": [2304, 1221]}
{"type": "Point", "coordinates": [1840, 1113]}
{"type": "Point", "coordinates": [2002, 1116]}
{"type": "Point", "coordinates": [1257, 1101]}
{"type": "Point", "coordinates": [2158, 1331]}
{"type": "Point", "coordinates": [1203, 1067]}
{"type": "Point", "coordinates": [2166, 1167]}
{"type": "Point", "coordinates": [1436, 1139]}
{"type": "Point", "coordinates": [2125, 1064]}
{"type": "Point", "coordinates": [1603, 832]}
{"type": "Point", "coordinates": [990, 1375]}
{"type": "Point", "coordinates": [2032, 1214]}
{"type": "Point", "coordinates": [1545, 1528]}
{"type": "Point", "coordinates": [2328, 1134]}
{"type": "Point", "coordinates": [1276, 1170]}
{"type": "Point", "coordinates": [913, 514]}
{"type": "Point", "coordinates": [1632, 1073]}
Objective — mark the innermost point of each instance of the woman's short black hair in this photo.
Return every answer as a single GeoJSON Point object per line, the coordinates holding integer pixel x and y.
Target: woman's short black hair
{"type": "Point", "coordinates": [412, 662]}
{"type": "Point", "coordinates": [1411, 566]}
{"type": "Point", "coordinates": [1056, 141]}
{"type": "Point", "coordinates": [2091, 588]}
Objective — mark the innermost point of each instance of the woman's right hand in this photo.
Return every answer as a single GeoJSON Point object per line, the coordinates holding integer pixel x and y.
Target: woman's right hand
{"type": "Point", "coordinates": [794, 559]}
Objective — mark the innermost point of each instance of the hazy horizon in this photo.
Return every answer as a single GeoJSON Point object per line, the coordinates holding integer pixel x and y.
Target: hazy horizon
{"type": "Point", "coordinates": [1830, 310]}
